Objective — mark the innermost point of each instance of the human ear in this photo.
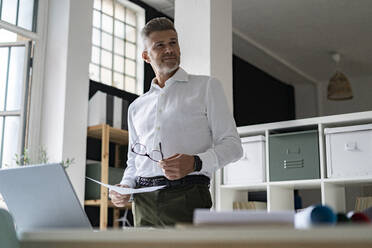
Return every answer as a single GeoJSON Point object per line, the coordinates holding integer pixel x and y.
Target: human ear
{"type": "Point", "coordinates": [145, 56]}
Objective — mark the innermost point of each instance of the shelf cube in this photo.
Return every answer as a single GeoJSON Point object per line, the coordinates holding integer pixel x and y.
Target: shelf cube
{"type": "Point", "coordinates": [349, 151]}
{"type": "Point", "coordinates": [251, 167]}
{"type": "Point", "coordinates": [294, 156]}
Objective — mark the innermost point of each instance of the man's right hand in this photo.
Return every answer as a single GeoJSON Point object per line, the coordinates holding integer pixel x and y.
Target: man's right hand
{"type": "Point", "coordinates": [117, 199]}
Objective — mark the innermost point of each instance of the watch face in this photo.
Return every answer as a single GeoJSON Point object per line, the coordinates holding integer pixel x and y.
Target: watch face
{"type": "Point", "coordinates": [197, 164]}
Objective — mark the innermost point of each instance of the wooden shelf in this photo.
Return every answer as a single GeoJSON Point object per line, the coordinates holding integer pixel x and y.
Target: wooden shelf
{"type": "Point", "coordinates": [106, 134]}
{"type": "Point", "coordinates": [117, 136]}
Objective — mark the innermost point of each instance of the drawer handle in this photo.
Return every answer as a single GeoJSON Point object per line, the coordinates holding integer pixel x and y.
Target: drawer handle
{"type": "Point", "coordinates": [351, 146]}
{"type": "Point", "coordinates": [292, 164]}
{"type": "Point", "coordinates": [297, 151]}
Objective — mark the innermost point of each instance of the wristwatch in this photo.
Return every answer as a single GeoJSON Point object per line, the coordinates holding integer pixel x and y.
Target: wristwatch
{"type": "Point", "coordinates": [198, 164]}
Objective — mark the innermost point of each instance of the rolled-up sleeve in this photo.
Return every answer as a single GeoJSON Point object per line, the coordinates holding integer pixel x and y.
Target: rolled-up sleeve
{"type": "Point", "coordinates": [227, 147]}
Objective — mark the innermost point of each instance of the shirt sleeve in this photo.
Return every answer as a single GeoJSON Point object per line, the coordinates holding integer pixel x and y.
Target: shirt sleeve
{"type": "Point", "coordinates": [227, 147]}
{"type": "Point", "coordinates": [130, 172]}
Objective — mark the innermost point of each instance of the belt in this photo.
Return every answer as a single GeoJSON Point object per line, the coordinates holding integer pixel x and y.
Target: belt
{"type": "Point", "coordinates": [160, 180]}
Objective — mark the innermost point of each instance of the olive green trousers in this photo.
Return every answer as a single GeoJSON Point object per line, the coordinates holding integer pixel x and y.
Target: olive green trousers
{"type": "Point", "coordinates": [169, 206]}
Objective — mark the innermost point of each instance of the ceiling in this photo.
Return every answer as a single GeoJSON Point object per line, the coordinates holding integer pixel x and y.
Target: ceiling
{"type": "Point", "coordinates": [293, 40]}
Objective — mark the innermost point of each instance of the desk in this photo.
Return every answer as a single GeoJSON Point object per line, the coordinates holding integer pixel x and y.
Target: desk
{"type": "Point", "coordinates": [194, 237]}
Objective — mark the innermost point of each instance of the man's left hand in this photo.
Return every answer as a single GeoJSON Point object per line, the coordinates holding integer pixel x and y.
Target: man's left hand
{"type": "Point", "coordinates": [177, 166]}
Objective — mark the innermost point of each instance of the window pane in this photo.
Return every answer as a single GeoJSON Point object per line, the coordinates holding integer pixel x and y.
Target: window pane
{"type": "Point", "coordinates": [95, 54]}
{"type": "Point", "coordinates": [97, 4]}
{"type": "Point", "coordinates": [130, 67]}
{"type": "Point", "coordinates": [7, 36]}
{"type": "Point", "coordinates": [131, 17]}
{"type": "Point", "coordinates": [9, 11]}
{"type": "Point", "coordinates": [119, 46]}
{"type": "Point", "coordinates": [118, 81]}
{"type": "Point", "coordinates": [4, 52]}
{"type": "Point", "coordinates": [96, 37]}
{"type": "Point", "coordinates": [25, 14]}
{"type": "Point", "coordinates": [11, 131]}
{"type": "Point", "coordinates": [119, 64]}
{"type": "Point", "coordinates": [130, 50]}
{"type": "Point", "coordinates": [130, 33]}
{"type": "Point", "coordinates": [106, 59]}
{"type": "Point", "coordinates": [114, 49]}
{"type": "Point", "coordinates": [130, 84]}
{"type": "Point", "coordinates": [106, 76]}
{"type": "Point", "coordinates": [119, 12]}
{"type": "Point", "coordinates": [107, 7]}
{"type": "Point", "coordinates": [96, 19]}
{"type": "Point", "coordinates": [107, 23]}
{"type": "Point", "coordinates": [107, 41]}
{"type": "Point", "coordinates": [15, 78]}
{"type": "Point", "coordinates": [94, 72]}
{"type": "Point", "coordinates": [119, 29]}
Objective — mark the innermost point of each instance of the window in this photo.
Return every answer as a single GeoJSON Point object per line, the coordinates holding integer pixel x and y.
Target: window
{"type": "Point", "coordinates": [17, 41]}
{"type": "Point", "coordinates": [115, 57]}
{"type": "Point", "coordinates": [21, 13]}
{"type": "Point", "coordinates": [14, 78]}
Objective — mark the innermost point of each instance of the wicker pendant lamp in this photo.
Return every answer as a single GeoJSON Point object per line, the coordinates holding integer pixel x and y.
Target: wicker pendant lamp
{"type": "Point", "coordinates": [339, 86]}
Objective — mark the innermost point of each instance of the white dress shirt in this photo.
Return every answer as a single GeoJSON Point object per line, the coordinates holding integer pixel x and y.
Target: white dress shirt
{"type": "Point", "coordinates": [188, 115]}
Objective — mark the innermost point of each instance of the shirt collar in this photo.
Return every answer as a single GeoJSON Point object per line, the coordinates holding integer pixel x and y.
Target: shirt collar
{"type": "Point", "coordinates": [180, 76]}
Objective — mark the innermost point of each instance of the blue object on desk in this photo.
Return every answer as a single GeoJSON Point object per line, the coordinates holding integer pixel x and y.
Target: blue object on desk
{"type": "Point", "coordinates": [314, 216]}
{"type": "Point", "coordinates": [322, 214]}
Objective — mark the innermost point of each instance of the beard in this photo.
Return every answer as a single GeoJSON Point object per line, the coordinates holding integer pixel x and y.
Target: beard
{"type": "Point", "coordinates": [168, 68]}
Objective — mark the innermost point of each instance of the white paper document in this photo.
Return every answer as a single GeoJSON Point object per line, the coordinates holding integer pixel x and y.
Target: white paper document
{"type": "Point", "coordinates": [127, 191]}
{"type": "Point", "coordinates": [242, 217]}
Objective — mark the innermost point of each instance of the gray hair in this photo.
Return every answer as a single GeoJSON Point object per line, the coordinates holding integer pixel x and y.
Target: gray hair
{"type": "Point", "coordinates": [156, 24]}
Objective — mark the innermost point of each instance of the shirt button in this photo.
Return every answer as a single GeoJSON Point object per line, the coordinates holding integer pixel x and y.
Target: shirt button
{"type": "Point", "coordinates": [158, 128]}
{"type": "Point", "coordinates": [160, 110]}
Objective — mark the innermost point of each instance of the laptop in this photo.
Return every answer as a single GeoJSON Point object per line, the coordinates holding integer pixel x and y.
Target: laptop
{"type": "Point", "coordinates": [41, 197]}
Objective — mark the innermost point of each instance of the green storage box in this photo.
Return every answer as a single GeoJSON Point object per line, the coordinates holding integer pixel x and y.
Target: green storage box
{"type": "Point", "coordinates": [294, 156]}
{"type": "Point", "coordinates": [92, 189]}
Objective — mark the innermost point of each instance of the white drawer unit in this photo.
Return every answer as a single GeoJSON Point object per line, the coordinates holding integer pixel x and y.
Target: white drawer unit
{"type": "Point", "coordinates": [349, 151]}
{"type": "Point", "coordinates": [251, 167]}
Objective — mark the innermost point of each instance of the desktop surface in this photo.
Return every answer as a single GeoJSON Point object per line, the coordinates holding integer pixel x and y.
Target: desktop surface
{"type": "Point", "coordinates": [338, 237]}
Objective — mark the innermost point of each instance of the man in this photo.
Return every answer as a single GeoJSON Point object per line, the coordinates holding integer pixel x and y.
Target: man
{"type": "Point", "coordinates": [180, 132]}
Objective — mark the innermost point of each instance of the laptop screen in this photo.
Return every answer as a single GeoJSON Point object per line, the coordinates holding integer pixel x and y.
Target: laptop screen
{"type": "Point", "coordinates": [41, 197]}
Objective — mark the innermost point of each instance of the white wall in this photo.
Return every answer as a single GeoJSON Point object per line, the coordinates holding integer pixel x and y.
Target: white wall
{"type": "Point", "coordinates": [66, 86]}
{"type": "Point", "coordinates": [312, 101]}
{"type": "Point", "coordinates": [205, 35]}
{"type": "Point", "coordinates": [306, 101]}
{"type": "Point", "coordinates": [194, 35]}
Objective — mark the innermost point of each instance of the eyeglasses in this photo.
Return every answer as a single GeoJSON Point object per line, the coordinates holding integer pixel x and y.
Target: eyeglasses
{"type": "Point", "coordinates": [155, 155]}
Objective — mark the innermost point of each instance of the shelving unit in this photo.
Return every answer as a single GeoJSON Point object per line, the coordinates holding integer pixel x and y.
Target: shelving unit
{"type": "Point", "coordinates": [107, 134]}
{"type": "Point", "coordinates": [280, 193]}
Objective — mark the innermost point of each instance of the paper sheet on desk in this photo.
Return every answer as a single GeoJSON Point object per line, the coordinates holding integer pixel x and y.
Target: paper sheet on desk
{"type": "Point", "coordinates": [127, 191]}
{"type": "Point", "coordinates": [243, 217]}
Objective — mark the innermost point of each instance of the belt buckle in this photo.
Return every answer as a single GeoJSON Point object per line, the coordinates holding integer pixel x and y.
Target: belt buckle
{"type": "Point", "coordinates": [156, 182]}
